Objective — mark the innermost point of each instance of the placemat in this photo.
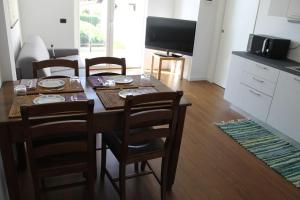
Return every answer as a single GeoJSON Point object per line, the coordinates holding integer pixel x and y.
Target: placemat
{"type": "Point", "coordinates": [28, 100]}
{"type": "Point", "coordinates": [71, 86]}
{"type": "Point", "coordinates": [111, 99]}
{"type": "Point", "coordinates": [97, 82]}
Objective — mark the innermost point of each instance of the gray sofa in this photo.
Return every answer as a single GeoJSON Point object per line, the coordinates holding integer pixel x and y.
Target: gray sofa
{"type": "Point", "coordinates": [34, 49]}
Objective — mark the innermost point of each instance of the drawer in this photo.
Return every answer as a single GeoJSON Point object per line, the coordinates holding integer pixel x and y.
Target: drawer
{"type": "Point", "coordinates": [254, 102]}
{"type": "Point", "coordinates": [260, 70]}
{"type": "Point", "coordinates": [258, 83]}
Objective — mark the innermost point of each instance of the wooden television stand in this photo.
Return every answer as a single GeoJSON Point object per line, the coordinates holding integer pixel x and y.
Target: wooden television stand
{"type": "Point", "coordinates": [167, 58]}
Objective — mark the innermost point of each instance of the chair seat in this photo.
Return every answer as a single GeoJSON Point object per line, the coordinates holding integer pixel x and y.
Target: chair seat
{"type": "Point", "coordinates": [57, 165]}
{"type": "Point", "coordinates": [152, 148]}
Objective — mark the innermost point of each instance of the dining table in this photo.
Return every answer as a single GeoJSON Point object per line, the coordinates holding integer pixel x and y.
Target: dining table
{"type": "Point", "coordinates": [105, 120]}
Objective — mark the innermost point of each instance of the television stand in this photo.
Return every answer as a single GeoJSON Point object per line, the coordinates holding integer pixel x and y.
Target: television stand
{"type": "Point", "coordinates": [167, 57]}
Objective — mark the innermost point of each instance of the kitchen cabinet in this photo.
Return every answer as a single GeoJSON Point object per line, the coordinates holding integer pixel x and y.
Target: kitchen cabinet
{"type": "Point", "coordinates": [293, 13]}
{"type": "Point", "coordinates": [251, 86]}
{"type": "Point", "coordinates": [285, 109]}
{"type": "Point", "coordinates": [266, 90]}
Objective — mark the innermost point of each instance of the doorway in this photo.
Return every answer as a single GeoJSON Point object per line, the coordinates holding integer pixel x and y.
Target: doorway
{"type": "Point", "coordinates": [113, 28]}
{"type": "Point", "coordinates": [238, 22]}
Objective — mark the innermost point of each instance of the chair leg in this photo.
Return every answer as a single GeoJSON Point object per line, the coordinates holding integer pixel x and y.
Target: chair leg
{"type": "Point", "coordinates": [36, 185]}
{"type": "Point", "coordinates": [164, 171]}
{"type": "Point", "coordinates": [136, 167]}
{"type": "Point", "coordinates": [143, 166]}
{"type": "Point", "coordinates": [43, 181]}
{"type": "Point", "coordinates": [91, 186]}
{"type": "Point", "coordinates": [103, 160]}
{"type": "Point", "coordinates": [122, 174]}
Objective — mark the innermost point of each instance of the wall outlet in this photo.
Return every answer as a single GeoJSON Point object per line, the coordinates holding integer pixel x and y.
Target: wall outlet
{"type": "Point", "coordinates": [63, 20]}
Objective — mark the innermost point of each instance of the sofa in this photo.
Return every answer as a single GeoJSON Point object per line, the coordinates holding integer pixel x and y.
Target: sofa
{"type": "Point", "coordinates": [34, 49]}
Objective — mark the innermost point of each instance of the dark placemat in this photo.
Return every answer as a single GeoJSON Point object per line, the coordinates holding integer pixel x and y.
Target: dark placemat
{"type": "Point", "coordinates": [71, 86]}
{"type": "Point", "coordinates": [97, 82]}
{"type": "Point", "coordinates": [28, 100]}
{"type": "Point", "coordinates": [111, 99]}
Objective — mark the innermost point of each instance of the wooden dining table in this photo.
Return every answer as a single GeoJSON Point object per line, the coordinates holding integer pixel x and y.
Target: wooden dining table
{"type": "Point", "coordinates": [11, 129]}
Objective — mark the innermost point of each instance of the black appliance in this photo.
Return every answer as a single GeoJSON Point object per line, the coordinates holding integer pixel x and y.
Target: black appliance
{"type": "Point", "coordinates": [170, 35]}
{"type": "Point", "coordinates": [268, 46]}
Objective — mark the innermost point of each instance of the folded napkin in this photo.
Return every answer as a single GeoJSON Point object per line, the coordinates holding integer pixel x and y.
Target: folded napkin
{"type": "Point", "coordinates": [29, 83]}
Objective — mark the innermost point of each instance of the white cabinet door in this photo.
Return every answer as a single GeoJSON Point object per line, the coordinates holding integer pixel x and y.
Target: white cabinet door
{"type": "Point", "coordinates": [237, 65]}
{"type": "Point", "coordinates": [293, 13]}
{"type": "Point", "coordinates": [285, 109]}
{"type": "Point", "coordinates": [254, 102]}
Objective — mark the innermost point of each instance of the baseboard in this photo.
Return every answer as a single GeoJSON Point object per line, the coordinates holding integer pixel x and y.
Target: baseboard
{"type": "Point", "coordinates": [196, 78]}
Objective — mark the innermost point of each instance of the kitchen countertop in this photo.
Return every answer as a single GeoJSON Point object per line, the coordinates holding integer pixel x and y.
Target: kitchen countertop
{"type": "Point", "coordinates": [278, 64]}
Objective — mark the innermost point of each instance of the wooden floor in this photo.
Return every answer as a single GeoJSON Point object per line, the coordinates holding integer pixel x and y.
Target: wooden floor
{"type": "Point", "coordinates": [211, 165]}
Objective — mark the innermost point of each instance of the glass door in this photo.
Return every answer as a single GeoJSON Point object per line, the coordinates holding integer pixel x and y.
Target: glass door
{"type": "Point", "coordinates": [113, 28]}
{"type": "Point", "coordinates": [128, 31]}
{"type": "Point", "coordinates": [93, 28]}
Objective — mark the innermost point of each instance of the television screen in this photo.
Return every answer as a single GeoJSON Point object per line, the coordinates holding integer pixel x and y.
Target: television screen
{"type": "Point", "coordinates": [172, 35]}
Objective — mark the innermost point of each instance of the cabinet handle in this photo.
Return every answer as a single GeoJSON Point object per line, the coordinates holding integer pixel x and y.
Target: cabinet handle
{"type": "Point", "coordinates": [297, 79]}
{"type": "Point", "coordinates": [258, 80]}
{"type": "Point", "coordinates": [261, 67]}
{"type": "Point", "coordinates": [256, 93]}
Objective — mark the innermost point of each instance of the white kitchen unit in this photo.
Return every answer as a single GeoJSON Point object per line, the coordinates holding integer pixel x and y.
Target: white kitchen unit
{"type": "Point", "coordinates": [293, 13]}
{"type": "Point", "coordinates": [251, 86]}
{"type": "Point", "coordinates": [285, 110]}
{"type": "Point", "coordinates": [266, 90]}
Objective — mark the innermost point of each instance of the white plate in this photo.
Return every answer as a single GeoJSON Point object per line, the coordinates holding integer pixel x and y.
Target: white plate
{"type": "Point", "coordinates": [122, 79]}
{"type": "Point", "coordinates": [135, 92]}
{"type": "Point", "coordinates": [51, 83]}
{"type": "Point", "coordinates": [51, 98]}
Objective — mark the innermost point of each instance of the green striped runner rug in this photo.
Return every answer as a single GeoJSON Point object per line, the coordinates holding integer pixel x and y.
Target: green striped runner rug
{"type": "Point", "coordinates": [276, 152]}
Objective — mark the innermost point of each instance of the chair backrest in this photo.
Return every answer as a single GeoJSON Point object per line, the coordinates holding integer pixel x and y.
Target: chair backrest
{"type": "Point", "coordinates": [55, 63]}
{"type": "Point", "coordinates": [155, 115]}
{"type": "Point", "coordinates": [51, 122]}
{"type": "Point", "coordinates": [105, 60]}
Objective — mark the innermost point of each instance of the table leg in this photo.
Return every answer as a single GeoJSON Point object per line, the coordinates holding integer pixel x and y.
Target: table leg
{"type": "Point", "coordinates": [9, 164]}
{"type": "Point", "coordinates": [21, 156]}
{"type": "Point", "coordinates": [182, 68]}
{"type": "Point", "coordinates": [152, 63]}
{"type": "Point", "coordinates": [176, 148]}
{"type": "Point", "coordinates": [159, 68]}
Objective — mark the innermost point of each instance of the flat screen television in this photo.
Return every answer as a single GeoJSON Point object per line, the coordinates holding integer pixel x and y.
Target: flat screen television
{"type": "Point", "coordinates": [170, 35]}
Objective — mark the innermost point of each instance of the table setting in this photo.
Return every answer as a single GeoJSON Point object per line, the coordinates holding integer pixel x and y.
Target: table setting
{"type": "Point", "coordinates": [112, 90]}
{"type": "Point", "coordinates": [45, 91]}
{"type": "Point", "coordinates": [48, 86]}
{"type": "Point", "coordinates": [120, 81]}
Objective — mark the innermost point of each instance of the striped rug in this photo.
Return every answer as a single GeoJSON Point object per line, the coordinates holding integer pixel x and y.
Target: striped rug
{"type": "Point", "coordinates": [276, 152]}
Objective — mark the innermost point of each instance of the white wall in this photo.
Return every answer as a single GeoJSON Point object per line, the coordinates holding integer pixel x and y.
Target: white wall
{"type": "Point", "coordinates": [186, 9]}
{"type": "Point", "coordinates": [3, 188]}
{"type": "Point", "coordinates": [278, 25]}
{"type": "Point", "coordinates": [7, 62]}
{"type": "Point", "coordinates": [160, 8]}
{"type": "Point", "coordinates": [42, 17]}
{"type": "Point", "coordinates": [16, 39]}
{"type": "Point", "coordinates": [204, 40]}
{"type": "Point", "coordinates": [0, 76]}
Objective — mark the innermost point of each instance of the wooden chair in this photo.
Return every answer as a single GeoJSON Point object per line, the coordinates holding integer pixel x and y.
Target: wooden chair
{"type": "Point", "coordinates": [60, 141]}
{"type": "Point", "coordinates": [147, 120]}
{"type": "Point", "coordinates": [105, 60]}
{"type": "Point", "coordinates": [55, 63]}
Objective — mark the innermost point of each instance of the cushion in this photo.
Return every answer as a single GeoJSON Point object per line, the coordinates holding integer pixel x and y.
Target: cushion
{"type": "Point", "coordinates": [33, 50]}
{"type": "Point", "coordinates": [113, 140]}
